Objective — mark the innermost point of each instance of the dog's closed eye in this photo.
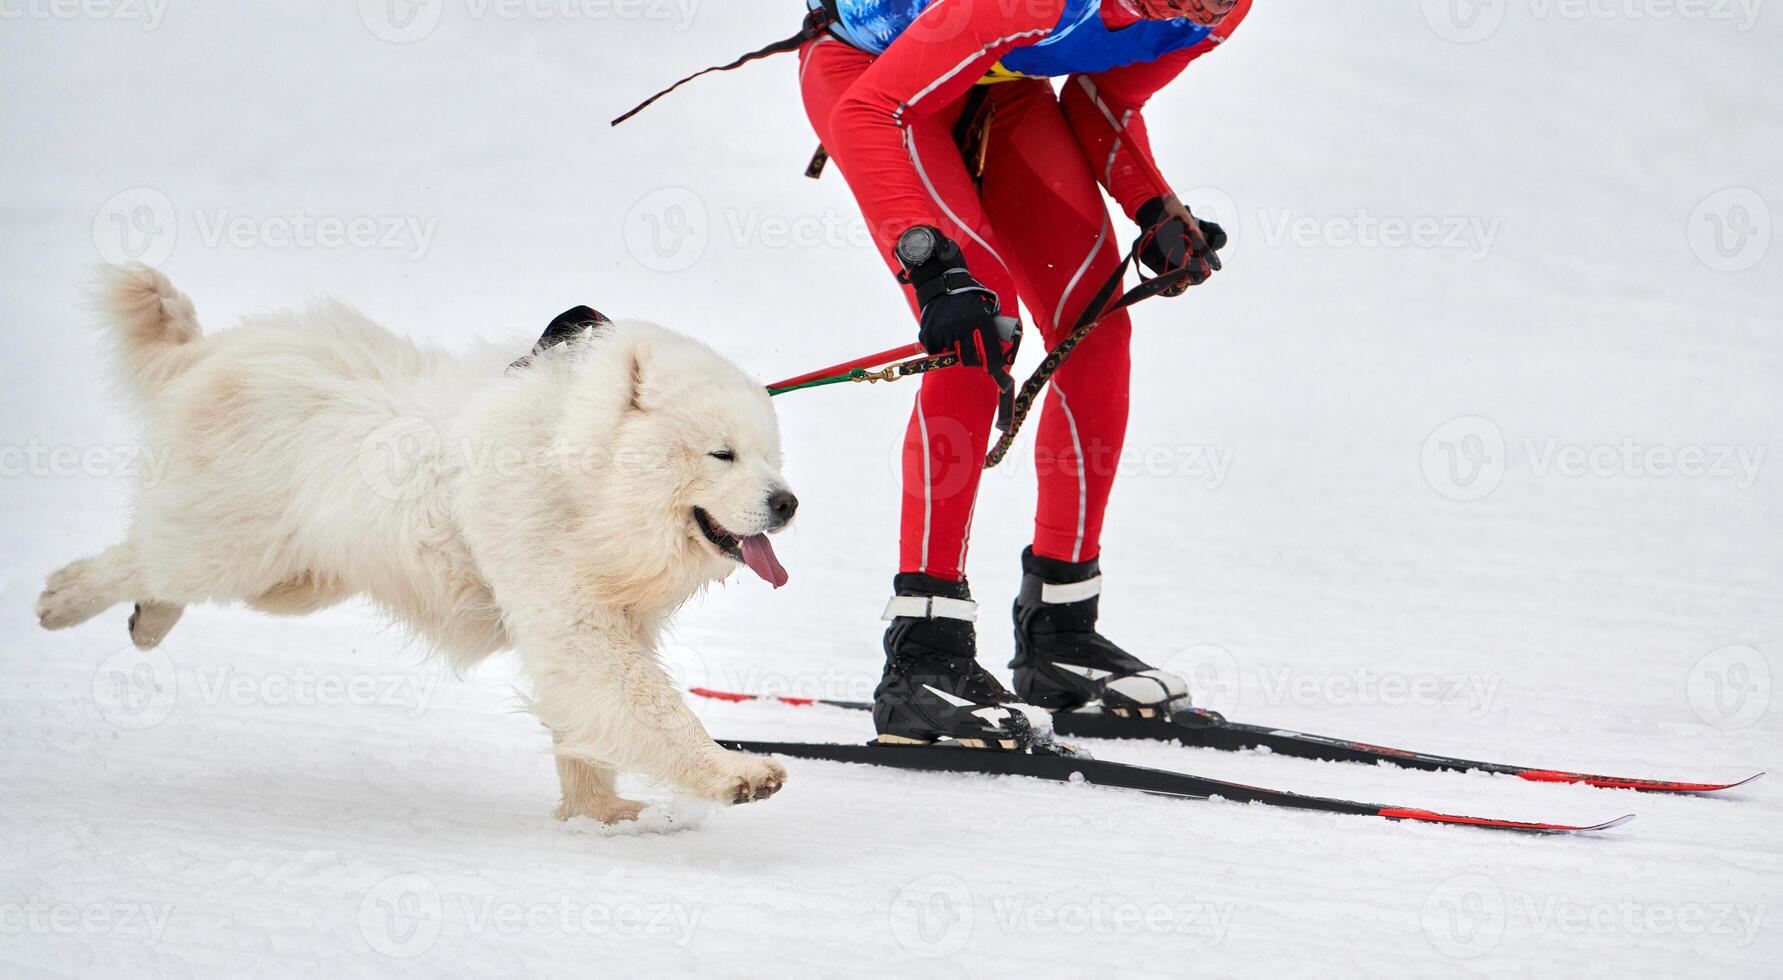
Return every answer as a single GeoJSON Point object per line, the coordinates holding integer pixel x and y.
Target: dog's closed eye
{"type": "Point", "coordinates": [723, 455]}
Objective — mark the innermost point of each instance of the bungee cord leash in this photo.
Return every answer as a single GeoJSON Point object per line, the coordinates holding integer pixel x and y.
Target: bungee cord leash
{"type": "Point", "coordinates": [875, 368]}
{"type": "Point", "coordinates": [862, 369]}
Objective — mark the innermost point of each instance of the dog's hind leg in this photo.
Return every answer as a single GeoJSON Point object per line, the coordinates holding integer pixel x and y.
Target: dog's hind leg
{"type": "Point", "coordinates": [150, 622]}
{"type": "Point", "coordinates": [90, 586]}
{"type": "Point", "coordinates": [588, 792]}
{"type": "Point", "coordinates": [86, 588]}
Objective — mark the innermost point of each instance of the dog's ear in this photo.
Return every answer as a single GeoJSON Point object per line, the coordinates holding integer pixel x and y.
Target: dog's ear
{"type": "Point", "coordinates": [642, 387]}
{"type": "Point", "coordinates": [571, 323]}
{"type": "Point", "coordinates": [568, 325]}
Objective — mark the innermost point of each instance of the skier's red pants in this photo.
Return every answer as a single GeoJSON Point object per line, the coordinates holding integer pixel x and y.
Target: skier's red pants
{"type": "Point", "coordinates": [1038, 229]}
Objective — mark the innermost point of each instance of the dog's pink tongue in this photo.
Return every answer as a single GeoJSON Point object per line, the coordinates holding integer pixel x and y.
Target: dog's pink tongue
{"type": "Point", "coordinates": [759, 555]}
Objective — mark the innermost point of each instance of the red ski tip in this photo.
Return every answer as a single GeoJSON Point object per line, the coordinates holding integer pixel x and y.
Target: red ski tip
{"type": "Point", "coordinates": [706, 692]}
{"type": "Point", "coordinates": [1430, 816]}
{"type": "Point", "coordinates": [1613, 782]}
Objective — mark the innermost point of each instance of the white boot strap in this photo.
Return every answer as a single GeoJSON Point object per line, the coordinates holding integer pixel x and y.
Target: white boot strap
{"type": "Point", "coordinates": [930, 607]}
{"type": "Point", "coordinates": [1149, 687]}
{"type": "Point", "coordinates": [1058, 594]}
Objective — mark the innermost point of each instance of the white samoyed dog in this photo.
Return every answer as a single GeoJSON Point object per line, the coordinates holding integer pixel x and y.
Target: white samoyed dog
{"type": "Point", "coordinates": [563, 505]}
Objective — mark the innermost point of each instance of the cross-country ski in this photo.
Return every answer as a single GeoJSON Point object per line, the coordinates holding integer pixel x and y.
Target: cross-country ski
{"type": "Point", "coordinates": [1068, 766]}
{"type": "Point", "coordinates": [1204, 729]}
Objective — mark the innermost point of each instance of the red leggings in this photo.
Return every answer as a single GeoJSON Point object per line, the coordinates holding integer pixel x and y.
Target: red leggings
{"type": "Point", "coordinates": [1037, 229]}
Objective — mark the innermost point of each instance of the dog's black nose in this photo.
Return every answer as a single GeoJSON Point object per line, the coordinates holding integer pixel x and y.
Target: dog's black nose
{"type": "Point", "coordinates": [783, 505]}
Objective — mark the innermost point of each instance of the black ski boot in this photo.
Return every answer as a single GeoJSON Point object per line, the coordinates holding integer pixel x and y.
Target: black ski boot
{"type": "Point", "coordinates": [1062, 663]}
{"type": "Point", "coordinates": [934, 688]}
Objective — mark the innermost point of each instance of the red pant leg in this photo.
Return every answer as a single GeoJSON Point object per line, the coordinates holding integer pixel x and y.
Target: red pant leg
{"type": "Point", "coordinates": [1048, 207]}
{"type": "Point", "coordinates": [955, 412]}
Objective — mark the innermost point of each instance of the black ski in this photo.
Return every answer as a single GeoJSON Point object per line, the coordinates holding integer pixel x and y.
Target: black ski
{"type": "Point", "coordinates": [1200, 728]}
{"type": "Point", "coordinates": [1064, 765]}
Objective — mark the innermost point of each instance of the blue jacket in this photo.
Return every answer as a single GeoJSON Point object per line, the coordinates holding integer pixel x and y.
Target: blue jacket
{"type": "Point", "coordinates": [1078, 44]}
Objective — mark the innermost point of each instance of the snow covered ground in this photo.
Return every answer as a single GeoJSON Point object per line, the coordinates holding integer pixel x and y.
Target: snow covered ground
{"type": "Point", "coordinates": [1469, 449]}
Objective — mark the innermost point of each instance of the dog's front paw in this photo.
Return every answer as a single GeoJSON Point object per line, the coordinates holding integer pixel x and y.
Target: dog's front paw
{"type": "Point", "coordinates": [739, 778]}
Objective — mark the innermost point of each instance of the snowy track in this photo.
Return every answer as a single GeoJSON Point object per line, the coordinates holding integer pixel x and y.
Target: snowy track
{"type": "Point", "coordinates": [1305, 527]}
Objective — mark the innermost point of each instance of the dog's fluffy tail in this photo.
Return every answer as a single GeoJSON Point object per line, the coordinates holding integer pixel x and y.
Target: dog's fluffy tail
{"type": "Point", "coordinates": [154, 323]}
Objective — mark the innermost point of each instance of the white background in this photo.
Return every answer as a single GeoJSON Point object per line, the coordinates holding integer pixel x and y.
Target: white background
{"type": "Point", "coordinates": [313, 796]}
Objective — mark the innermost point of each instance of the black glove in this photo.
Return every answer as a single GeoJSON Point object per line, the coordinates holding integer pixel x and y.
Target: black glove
{"type": "Point", "coordinates": [1169, 243]}
{"type": "Point", "coordinates": [959, 315]}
